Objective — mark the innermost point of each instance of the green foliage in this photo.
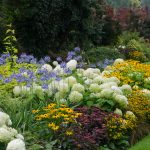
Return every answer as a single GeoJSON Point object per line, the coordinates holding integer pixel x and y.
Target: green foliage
{"type": "Point", "coordinates": [47, 25]}
{"type": "Point", "coordinates": [100, 53]}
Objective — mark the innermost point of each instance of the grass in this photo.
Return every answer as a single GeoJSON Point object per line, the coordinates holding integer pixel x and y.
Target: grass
{"type": "Point", "coordinates": [142, 145]}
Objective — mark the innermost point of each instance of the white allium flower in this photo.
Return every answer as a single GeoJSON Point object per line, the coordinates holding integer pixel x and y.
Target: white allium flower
{"type": "Point", "coordinates": [59, 96]}
{"type": "Point", "coordinates": [75, 96]}
{"type": "Point", "coordinates": [80, 71]}
{"type": "Point", "coordinates": [89, 73]}
{"type": "Point", "coordinates": [47, 67]}
{"type": "Point", "coordinates": [25, 90]}
{"type": "Point", "coordinates": [96, 71]}
{"type": "Point", "coordinates": [118, 111]}
{"type": "Point", "coordinates": [116, 90]}
{"type": "Point", "coordinates": [121, 100]}
{"type": "Point", "coordinates": [147, 80]}
{"type": "Point", "coordinates": [108, 85]}
{"type": "Point", "coordinates": [146, 93]}
{"type": "Point", "coordinates": [25, 74]}
{"type": "Point", "coordinates": [78, 87]}
{"type": "Point", "coordinates": [106, 93]}
{"type": "Point", "coordinates": [36, 88]}
{"type": "Point", "coordinates": [7, 134]}
{"type": "Point", "coordinates": [55, 63]}
{"type": "Point", "coordinates": [58, 70]}
{"type": "Point", "coordinates": [72, 64]}
{"type": "Point", "coordinates": [108, 68]}
{"type": "Point", "coordinates": [53, 86]}
{"type": "Point", "coordinates": [63, 101]}
{"type": "Point", "coordinates": [98, 80]}
{"type": "Point", "coordinates": [111, 79]}
{"type": "Point", "coordinates": [118, 61]}
{"type": "Point", "coordinates": [126, 89]}
{"type": "Point", "coordinates": [88, 81]}
{"type": "Point", "coordinates": [16, 144]}
{"type": "Point", "coordinates": [95, 88]}
{"type": "Point", "coordinates": [71, 80]}
{"type": "Point", "coordinates": [20, 136]}
{"type": "Point", "coordinates": [63, 87]}
{"type": "Point", "coordinates": [4, 119]}
{"type": "Point", "coordinates": [17, 90]}
{"type": "Point", "coordinates": [105, 72]}
{"type": "Point", "coordinates": [130, 113]}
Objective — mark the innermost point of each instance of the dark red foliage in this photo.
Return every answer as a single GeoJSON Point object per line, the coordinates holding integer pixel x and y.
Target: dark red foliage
{"type": "Point", "coordinates": [91, 131]}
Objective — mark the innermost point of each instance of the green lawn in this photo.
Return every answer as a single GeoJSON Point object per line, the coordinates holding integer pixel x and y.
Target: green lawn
{"type": "Point", "coordinates": [142, 145]}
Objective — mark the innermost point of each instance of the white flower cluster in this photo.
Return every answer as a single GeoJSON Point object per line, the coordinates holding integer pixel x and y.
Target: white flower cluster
{"type": "Point", "coordinates": [73, 87]}
{"type": "Point", "coordinates": [10, 135]}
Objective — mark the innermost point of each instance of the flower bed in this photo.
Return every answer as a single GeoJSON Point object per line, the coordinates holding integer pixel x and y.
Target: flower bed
{"type": "Point", "coordinates": [64, 105]}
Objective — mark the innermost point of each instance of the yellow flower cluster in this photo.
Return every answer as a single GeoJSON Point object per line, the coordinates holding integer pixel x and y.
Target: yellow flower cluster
{"type": "Point", "coordinates": [139, 105]}
{"type": "Point", "coordinates": [130, 72]}
{"type": "Point", "coordinates": [136, 55]}
{"type": "Point", "coordinates": [56, 116]}
{"type": "Point", "coordinates": [118, 127]}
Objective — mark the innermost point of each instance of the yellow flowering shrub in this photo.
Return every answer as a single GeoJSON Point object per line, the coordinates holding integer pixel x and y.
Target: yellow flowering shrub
{"type": "Point", "coordinates": [56, 117]}
{"type": "Point", "coordinates": [118, 127]}
{"type": "Point", "coordinates": [130, 72]}
{"type": "Point", "coordinates": [139, 105]}
{"type": "Point", "coordinates": [137, 55]}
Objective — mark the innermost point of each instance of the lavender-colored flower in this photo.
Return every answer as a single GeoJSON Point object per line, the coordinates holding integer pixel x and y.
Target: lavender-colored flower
{"type": "Point", "coordinates": [77, 49]}
{"type": "Point", "coordinates": [67, 71]}
{"type": "Point", "coordinates": [42, 62]}
{"type": "Point", "coordinates": [59, 59]}
{"type": "Point", "coordinates": [92, 65]}
{"type": "Point", "coordinates": [44, 86]}
{"type": "Point", "coordinates": [7, 80]}
{"type": "Point", "coordinates": [58, 78]}
{"type": "Point", "coordinates": [63, 65]}
{"type": "Point", "coordinates": [52, 75]}
{"type": "Point", "coordinates": [78, 58]}
{"type": "Point", "coordinates": [47, 59]}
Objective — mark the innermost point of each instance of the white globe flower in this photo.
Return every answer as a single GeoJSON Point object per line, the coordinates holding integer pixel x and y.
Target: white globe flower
{"type": "Point", "coordinates": [108, 68]}
{"type": "Point", "coordinates": [108, 85]}
{"type": "Point", "coordinates": [55, 63]}
{"type": "Point", "coordinates": [98, 80]}
{"type": "Point", "coordinates": [105, 72]}
{"type": "Point", "coordinates": [95, 88]}
{"type": "Point", "coordinates": [121, 100]}
{"type": "Point", "coordinates": [53, 86]}
{"type": "Point", "coordinates": [111, 79]}
{"type": "Point", "coordinates": [88, 81]}
{"type": "Point", "coordinates": [126, 89]}
{"type": "Point", "coordinates": [16, 144]}
{"type": "Point", "coordinates": [89, 73]}
{"type": "Point", "coordinates": [36, 88]}
{"type": "Point", "coordinates": [130, 113]}
{"type": "Point", "coordinates": [25, 90]}
{"type": "Point", "coordinates": [7, 134]}
{"type": "Point", "coordinates": [47, 67]}
{"type": "Point", "coordinates": [20, 136]}
{"type": "Point", "coordinates": [17, 90]}
{"type": "Point", "coordinates": [147, 80]}
{"type": "Point", "coordinates": [96, 71]}
{"type": "Point", "coordinates": [63, 101]}
{"type": "Point", "coordinates": [106, 93]}
{"type": "Point", "coordinates": [71, 81]}
{"type": "Point", "coordinates": [116, 90]}
{"type": "Point", "coordinates": [58, 70]}
{"type": "Point", "coordinates": [75, 96]}
{"type": "Point", "coordinates": [118, 61]}
{"type": "Point", "coordinates": [146, 93]}
{"type": "Point", "coordinates": [59, 96]}
{"type": "Point", "coordinates": [63, 87]}
{"type": "Point", "coordinates": [72, 64]}
{"type": "Point", "coordinates": [118, 111]}
{"type": "Point", "coordinates": [80, 71]}
{"type": "Point", "coordinates": [78, 87]}
{"type": "Point", "coordinates": [4, 119]}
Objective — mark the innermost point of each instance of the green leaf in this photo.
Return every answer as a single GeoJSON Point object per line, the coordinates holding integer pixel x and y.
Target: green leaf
{"type": "Point", "coordinates": [89, 103]}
